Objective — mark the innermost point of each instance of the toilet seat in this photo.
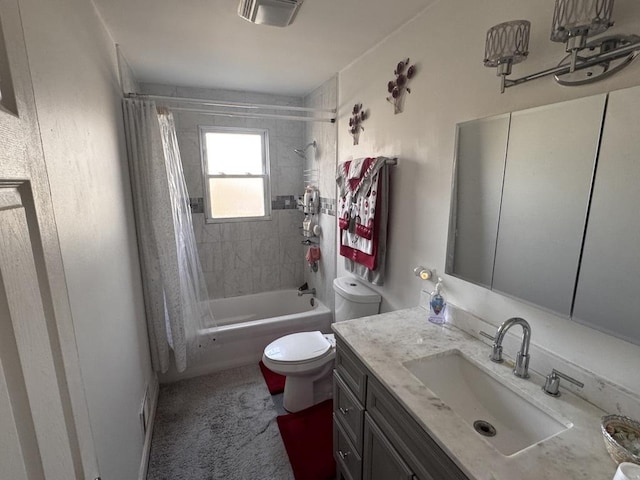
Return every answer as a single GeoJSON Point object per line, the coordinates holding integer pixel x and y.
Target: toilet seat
{"type": "Point", "coordinates": [299, 348]}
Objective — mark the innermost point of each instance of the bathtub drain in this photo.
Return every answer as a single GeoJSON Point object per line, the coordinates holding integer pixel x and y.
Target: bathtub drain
{"type": "Point", "coordinates": [484, 428]}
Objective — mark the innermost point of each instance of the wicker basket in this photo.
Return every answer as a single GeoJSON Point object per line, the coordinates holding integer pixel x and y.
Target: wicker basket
{"type": "Point", "coordinates": [617, 451]}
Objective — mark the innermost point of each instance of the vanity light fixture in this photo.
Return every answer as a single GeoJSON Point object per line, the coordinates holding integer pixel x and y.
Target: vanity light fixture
{"type": "Point", "coordinates": [574, 21]}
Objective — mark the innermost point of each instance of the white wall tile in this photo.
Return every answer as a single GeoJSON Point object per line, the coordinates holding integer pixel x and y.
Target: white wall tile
{"type": "Point", "coordinates": [289, 180]}
{"type": "Point", "coordinates": [189, 144]}
{"type": "Point", "coordinates": [238, 282]}
{"type": "Point", "coordinates": [266, 278]}
{"type": "Point", "coordinates": [211, 232]}
{"type": "Point", "coordinates": [267, 228]}
{"type": "Point", "coordinates": [236, 255]}
{"type": "Point", "coordinates": [234, 231]}
{"type": "Point", "coordinates": [265, 252]}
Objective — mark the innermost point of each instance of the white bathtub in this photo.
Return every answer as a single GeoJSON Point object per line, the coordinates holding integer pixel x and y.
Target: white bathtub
{"type": "Point", "coordinates": [249, 323]}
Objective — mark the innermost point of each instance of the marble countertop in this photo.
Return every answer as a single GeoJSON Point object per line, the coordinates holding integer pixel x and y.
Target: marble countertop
{"type": "Point", "coordinates": [384, 342]}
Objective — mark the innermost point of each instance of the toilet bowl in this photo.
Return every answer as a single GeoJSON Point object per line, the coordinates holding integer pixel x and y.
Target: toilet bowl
{"type": "Point", "coordinates": [307, 358]}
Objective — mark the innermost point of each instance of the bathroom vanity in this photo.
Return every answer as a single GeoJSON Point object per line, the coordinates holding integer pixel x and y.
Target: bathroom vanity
{"type": "Point", "coordinates": [406, 392]}
{"type": "Point", "coordinates": [374, 436]}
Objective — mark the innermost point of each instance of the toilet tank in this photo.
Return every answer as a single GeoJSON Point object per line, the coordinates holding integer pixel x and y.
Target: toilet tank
{"type": "Point", "coordinates": [354, 299]}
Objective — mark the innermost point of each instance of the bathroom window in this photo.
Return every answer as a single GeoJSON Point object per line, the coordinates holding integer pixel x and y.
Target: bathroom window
{"type": "Point", "coordinates": [236, 174]}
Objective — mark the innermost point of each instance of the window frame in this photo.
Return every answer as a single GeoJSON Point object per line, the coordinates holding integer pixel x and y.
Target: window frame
{"type": "Point", "coordinates": [266, 172]}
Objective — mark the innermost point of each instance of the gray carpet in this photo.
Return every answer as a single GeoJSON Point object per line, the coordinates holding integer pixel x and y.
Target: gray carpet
{"type": "Point", "coordinates": [220, 426]}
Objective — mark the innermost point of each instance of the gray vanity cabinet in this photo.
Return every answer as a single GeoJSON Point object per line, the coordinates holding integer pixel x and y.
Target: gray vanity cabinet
{"type": "Point", "coordinates": [375, 438]}
{"type": "Point", "coordinates": [349, 390]}
{"type": "Point", "coordinates": [383, 462]}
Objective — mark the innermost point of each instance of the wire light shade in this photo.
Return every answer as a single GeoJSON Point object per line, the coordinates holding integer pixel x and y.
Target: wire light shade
{"type": "Point", "coordinates": [507, 43]}
{"type": "Point", "coordinates": [580, 17]}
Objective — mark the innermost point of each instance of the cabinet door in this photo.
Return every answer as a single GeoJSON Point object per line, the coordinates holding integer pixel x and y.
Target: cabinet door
{"type": "Point", "coordinates": [348, 460]}
{"type": "Point", "coordinates": [607, 293]}
{"type": "Point", "coordinates": [380, 460]}
{"type": "Point", "coordinates": [547, 181]}
{"type": "Point", "coordinates": [480, 157]}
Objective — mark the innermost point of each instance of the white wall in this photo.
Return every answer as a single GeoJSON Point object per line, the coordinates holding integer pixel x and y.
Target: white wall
{"type": "Point", "coordinates": [451, 85]}
{"type": "Point", "coordinates": [75, 77]}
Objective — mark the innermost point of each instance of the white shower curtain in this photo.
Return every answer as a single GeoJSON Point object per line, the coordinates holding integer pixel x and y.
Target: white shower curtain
{"type": "Point", "coordinates": [174, 287]}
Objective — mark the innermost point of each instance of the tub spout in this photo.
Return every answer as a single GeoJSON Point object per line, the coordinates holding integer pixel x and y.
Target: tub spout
{"type": "Point", "coordinates": [310, 291]}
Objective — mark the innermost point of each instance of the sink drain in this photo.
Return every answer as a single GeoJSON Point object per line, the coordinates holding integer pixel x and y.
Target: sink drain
{"type": "Point", "coordinates": [484, 428]}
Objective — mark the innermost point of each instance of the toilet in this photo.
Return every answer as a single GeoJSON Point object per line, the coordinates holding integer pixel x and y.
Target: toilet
{"type": "Point", "coordinates": [307, 358]}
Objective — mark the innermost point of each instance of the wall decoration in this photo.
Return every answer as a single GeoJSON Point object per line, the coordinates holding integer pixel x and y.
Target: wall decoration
{"type": "Point", "coordinates": [397, 88]}
{"type": "Point", "coordinates": [358, 115]}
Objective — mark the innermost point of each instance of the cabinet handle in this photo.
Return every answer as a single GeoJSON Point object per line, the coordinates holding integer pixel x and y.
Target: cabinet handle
{"type": "Point", "coordinates": [343, 455]}
{"type": "Point", "coordinates": [344, 411]}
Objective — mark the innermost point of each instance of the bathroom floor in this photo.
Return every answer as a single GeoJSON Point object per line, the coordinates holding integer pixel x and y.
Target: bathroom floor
{"type": "Point", "coordinates": [219, 426]}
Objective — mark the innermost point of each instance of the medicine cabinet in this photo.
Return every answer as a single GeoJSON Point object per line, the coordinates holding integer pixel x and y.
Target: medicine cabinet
{"type": "Point", "coordinates": [545, 208]}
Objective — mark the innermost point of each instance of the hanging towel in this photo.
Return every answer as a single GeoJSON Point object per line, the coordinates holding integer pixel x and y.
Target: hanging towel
{"type": "Point", "coordinates": [313, 254]}
{"type": "Point", "coordinates": [355, 168]}
{"type": "Point", "coordinates": [362, 217]}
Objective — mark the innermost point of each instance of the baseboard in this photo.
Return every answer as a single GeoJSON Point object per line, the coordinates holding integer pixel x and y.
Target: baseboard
{"type": "Point", "coordinates": [154, 390]}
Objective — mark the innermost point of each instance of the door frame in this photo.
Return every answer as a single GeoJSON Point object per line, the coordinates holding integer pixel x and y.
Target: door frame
{"type": "Point", "coordinates": [22, 162]}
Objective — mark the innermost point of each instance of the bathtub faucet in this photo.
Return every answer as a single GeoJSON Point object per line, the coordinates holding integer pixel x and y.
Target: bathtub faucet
{"type": "Point", "coordinates": [308, 291]}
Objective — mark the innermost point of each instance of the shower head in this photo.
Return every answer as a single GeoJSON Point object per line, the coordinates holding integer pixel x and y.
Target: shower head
{"type": "Point", "coordinates": [302, 151]}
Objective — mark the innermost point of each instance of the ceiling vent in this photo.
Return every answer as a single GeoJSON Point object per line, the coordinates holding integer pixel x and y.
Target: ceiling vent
{"type": "Point", "coordinates": [278, 13]}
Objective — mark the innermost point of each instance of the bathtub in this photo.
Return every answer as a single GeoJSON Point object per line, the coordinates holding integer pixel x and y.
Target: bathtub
{"type": "Point", "coordinates": [247, 324]}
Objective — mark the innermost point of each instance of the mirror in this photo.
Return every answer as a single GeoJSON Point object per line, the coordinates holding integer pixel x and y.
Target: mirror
{"type": "Point", "coordinates": [545, 195]}
{"type": "Point", "coordinates": [481, 153]}
{"type": "Point", "coordinates": [522, 208]}
{"type": "Point", "coordinates": [608, 291]}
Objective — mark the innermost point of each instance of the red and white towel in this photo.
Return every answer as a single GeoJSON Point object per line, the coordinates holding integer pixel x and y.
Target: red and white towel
{"type": "Point", "coordinates": [359, 217]}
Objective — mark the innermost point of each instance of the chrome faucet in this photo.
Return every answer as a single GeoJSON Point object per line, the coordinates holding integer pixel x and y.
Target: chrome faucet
{"type": "Point", "coordinates": [521, 368]}
{"type": "Point", "coordinates": [309, 291]}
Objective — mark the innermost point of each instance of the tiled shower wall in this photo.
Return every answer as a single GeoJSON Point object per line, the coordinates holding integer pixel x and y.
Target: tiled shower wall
{"type": "Point", "coordinates": [241, 258]}
{"type": "Point", "coordinates": [325, 134]}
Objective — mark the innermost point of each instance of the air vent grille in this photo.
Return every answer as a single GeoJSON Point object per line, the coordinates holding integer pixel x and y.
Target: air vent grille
{"type": "Point", "coordinates": [246, 6]}
{"type": "Point", "coordinates": [279, 13]}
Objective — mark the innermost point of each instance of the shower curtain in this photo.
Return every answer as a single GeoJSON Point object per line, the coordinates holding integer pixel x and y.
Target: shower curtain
{"type": "Point", "coordinates": [175, 292]}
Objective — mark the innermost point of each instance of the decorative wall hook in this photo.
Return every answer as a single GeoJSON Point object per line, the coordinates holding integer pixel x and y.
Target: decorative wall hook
{"type": "Point", "coordinates": [358, 115]}
{"type": "Point", "coordinates": [397, 88]}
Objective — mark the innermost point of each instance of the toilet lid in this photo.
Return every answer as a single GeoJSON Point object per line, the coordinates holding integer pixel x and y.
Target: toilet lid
{"type": "Point", "coordinates": [298, 347]}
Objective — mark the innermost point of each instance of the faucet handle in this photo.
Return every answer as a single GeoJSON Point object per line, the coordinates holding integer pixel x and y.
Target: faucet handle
{"type": "Point", "coordinates": [552, 382]}
{"type": "Point", "coordinates": [486, 335]}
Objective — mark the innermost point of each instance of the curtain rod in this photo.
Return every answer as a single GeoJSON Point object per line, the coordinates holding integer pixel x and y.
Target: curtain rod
{"type": "Point", "coordinates": [251, 115]}
{"type": "Point", "coordinates": [214, 103]}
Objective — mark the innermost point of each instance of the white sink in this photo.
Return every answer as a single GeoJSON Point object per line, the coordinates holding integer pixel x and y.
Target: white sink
{"type": "Point", "coordinates": [476, 395]}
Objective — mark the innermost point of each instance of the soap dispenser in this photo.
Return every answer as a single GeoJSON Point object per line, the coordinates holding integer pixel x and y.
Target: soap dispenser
{"type": "Point", "coordinates": [437, 305]}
